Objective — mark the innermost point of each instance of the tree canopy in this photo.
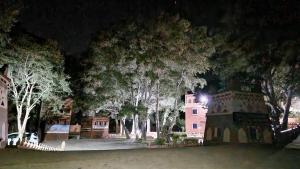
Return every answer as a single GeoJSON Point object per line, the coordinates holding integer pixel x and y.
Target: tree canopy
{"type": "Point", "coordinates": [253, 49]}
{"type": "Point", "coordinates": [150, 64]}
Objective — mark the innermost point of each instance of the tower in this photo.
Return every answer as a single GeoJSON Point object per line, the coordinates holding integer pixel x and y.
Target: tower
{"type": "Point", "coordinates": [195, 116]}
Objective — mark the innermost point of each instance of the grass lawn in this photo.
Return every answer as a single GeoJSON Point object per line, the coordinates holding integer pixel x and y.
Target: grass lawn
{"type": "Point", "coordinates": [208, 157]}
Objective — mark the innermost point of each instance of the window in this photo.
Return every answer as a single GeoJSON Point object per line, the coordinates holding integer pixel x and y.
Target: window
{"type": "Point", "coordinates": [195, 126]}
{"type": "Point", "coordinates": [189, 101]}
{"type": "Point", "coordinates": [195, 111]}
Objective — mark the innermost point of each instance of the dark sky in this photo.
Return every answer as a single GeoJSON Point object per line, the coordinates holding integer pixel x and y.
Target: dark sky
{"type": "Point", "coordinates": [73, 23]}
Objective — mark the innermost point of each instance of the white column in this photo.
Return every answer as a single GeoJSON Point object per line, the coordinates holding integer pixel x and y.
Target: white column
{"type": "Point", "coordinates": [133, 125]}
{"type": "Point", "coordinates": [148, 125]}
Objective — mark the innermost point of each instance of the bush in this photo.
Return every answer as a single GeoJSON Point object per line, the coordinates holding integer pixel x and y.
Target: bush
{"type": "Point", "coordinates": [190, 141]}
{"type": "Point", "coordinates": [175, 138]}
{"type": "Point", "coordinates": [183, 135]}
{"type": "Point", "coordinates": [160, 141]}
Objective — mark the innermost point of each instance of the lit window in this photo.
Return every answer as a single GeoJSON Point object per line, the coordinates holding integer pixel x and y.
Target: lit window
{"type": "Point", "coordinates": [195, 126]}
{"type": "Point", "coordinates": [195, 111]}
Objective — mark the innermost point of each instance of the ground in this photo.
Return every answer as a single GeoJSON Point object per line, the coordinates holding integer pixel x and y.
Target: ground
{"type": "Point", "coordinates": [207, 157]}
{"type": "Point", "coordinates": [96, 144]}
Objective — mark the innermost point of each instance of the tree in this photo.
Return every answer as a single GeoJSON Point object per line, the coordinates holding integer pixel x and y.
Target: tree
{"type": "Point", "coordinates": [8, 15]}
{"type": "Point", "coordinates": [148, 65]}
{"type": "Point", "coordinates": [36, 75]}
{"type": "Point", "coordinates": [262, 50]}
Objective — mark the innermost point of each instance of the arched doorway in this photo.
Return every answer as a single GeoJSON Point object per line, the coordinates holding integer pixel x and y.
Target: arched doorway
{"type": "Point", "coordinates": [267, 136]}
{"type": "Point", "coordinates": [242, 136]}
{"type": "Point", "coordinates": [209, 134]}
{"type": "Point", "coordinates": [226, 135]}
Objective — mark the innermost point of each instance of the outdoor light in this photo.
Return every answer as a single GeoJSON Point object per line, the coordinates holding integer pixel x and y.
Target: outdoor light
{"type": "Point", "coordinates": [203, 99]}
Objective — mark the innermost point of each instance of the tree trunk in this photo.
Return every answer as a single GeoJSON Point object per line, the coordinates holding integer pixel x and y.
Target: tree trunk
{"type": "Point", "coordinates": [133, 125]}
{"type": "Point", "coordinates": [286, 112]}
{"type": "Point", "coordinates": [136, 126]}
{"type": "Point", "coordinates": [125, 129]}
{"type": "Point", "coordinates": [144, 130]}
{"type": "Point", "coordinates": [157, 112]}
{"type": "Point", "coordinates": [117, 126]}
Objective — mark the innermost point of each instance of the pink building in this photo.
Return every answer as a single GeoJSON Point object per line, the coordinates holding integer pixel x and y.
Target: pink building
{"type": "Point", "coordinates": [195, 116]}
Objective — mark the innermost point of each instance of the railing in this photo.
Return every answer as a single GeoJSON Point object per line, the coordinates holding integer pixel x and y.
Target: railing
{"type": "Point", "coordinates": [287, 136]}
{"type": "Point", "coordinates": [40, 147]}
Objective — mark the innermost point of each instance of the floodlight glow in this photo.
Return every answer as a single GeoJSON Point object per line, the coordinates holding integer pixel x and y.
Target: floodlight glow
{"type": "Point", "coordinates": [203, 99]}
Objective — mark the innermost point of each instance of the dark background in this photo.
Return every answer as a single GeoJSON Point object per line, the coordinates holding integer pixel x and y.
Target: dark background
{"type": "Point", "coordinates": [74, 23]}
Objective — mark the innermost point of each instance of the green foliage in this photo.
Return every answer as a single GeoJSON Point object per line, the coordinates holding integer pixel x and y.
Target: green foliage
{"type": "Point", "coordinates": [160, 141]}
{"type": "Point", "coordinates": [7, 20]}
{"type": "Point", "coordinates": [127, 109]}
{"type": "Point", "coordinates": [175, 138]}
{"type": "Point", "coordinates": [41, 64]}
{"type": "Point", "coordinates": [127, 62]}
{"type": "Point", "coordinates": [8, 14]}
{"type": "Point", "coordinates": [262, 54]}
{"type": "Point", "coordinates": [190, 141]}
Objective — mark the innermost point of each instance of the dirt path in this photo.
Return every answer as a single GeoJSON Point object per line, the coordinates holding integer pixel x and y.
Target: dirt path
{"type": "Point", "coordinates": [212, 157]}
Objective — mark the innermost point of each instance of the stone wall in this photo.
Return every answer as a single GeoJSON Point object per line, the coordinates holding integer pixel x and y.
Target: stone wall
{"type": "Point", "coordinates": [223, 129]}
{"type": "Point", "coordinates": [238, 117]}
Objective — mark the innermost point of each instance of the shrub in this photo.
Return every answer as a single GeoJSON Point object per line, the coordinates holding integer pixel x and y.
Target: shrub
{"type": "Point", "coordinates": [175, 138]}
{"type": "Point", "coordinates": [183, 135]}
{"type": "Point", "coordinates": [190, 141]}
{"type": "Point", "coordinates": [160, 141]}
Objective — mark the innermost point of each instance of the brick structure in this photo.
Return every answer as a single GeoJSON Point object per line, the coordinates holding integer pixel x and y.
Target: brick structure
{"type": "Point", "coordinates": [4, 84]}
{"type": "Point", "coordinates": [95, 127]}
{"type": "Point", "coordinates": [237, 117]}
{"type": "Point", "coordinates": [59, 130]}
{"type": "Point", "coordinates": [195, 117]}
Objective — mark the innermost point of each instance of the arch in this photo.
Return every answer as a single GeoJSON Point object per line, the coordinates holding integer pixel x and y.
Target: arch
{"type": "Point", "coordinates": [242, 136]}
{"type": "Point", "coordinates": [226, 135]}
{"type": "Point", "coordinates": [208, 134]}
{"type": "Point", "coordinates": [267, 136]}
{"type": "Point", "coordinates": [3, 136]}
{"type": "Point", "coordinates": [216, 132]}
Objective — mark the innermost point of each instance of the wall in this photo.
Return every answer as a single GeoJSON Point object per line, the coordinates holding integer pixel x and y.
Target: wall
{"type": "Point", "coordinates": [3, 111]}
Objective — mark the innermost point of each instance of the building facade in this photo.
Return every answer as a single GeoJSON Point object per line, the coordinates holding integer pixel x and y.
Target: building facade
{"type": "Point", "coordinates": [4, 84]}
{"type": "Point", "coordinates": [195, 116]}
{"type": "Point", "coordinates": [238, 117]}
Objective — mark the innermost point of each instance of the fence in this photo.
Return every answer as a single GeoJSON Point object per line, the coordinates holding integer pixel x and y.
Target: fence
{"type": "Point", "coordinates": [287, 136]}
{"type": "Point", "coordinates": [40, 147]}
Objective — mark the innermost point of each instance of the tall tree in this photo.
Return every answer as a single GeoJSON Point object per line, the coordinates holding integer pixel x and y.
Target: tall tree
{"type": "Point", "coordinates": [262, 48]}
{"type": "Point", "coordinates": [150, 64]}
{"type": "Point", "coordinates": [36, 75]}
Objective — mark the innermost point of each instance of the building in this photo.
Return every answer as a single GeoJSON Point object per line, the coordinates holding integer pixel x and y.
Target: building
{"type": "Point", "coordinates": [237, 117]}
{"type": "Point", "coordinates": [58, 129]}
{"type": "Point", "coordinates": [292, 122]}
{"type": "Point", "coordinates": [4, 84]}
{"type": "Point", "coordinates": [195, 116]}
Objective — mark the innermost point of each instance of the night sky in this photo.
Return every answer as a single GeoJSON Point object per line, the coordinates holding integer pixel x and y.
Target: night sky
{"type": "Point", "coordinates": [73, 23]}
